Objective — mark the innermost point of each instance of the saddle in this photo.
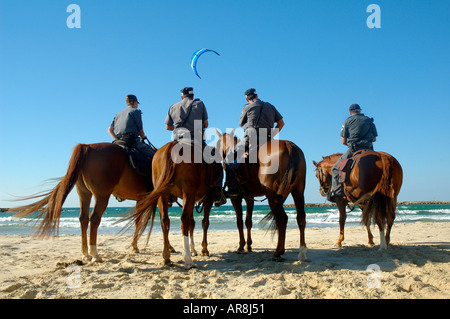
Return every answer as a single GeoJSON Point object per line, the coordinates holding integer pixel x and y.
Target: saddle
{"type": "Point", "coordinates": [140, 163]}
{"type": "Point", "coordinates": [345, 166]}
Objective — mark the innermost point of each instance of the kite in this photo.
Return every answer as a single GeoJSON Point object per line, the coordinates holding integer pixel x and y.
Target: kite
{"type": "Point", "coordinates": [195, 57]}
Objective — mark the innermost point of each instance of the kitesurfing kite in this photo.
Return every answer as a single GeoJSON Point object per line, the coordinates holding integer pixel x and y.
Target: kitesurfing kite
{"type": "Point", "coordinates": [195, 57]}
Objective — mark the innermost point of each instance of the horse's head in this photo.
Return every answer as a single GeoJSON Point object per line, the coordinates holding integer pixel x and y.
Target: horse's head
{"type": "Point", "coordinates": [226, 143]}
{"type": "Point", "coordinates": [323, 172]}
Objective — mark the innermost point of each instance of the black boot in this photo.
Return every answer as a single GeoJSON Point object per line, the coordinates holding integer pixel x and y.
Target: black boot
{"type": "Point", "coordinates": [219, 197]}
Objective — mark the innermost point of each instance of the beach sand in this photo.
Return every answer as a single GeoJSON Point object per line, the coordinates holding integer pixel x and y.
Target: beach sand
{"type": "Point", "coordinates": [416, 265]}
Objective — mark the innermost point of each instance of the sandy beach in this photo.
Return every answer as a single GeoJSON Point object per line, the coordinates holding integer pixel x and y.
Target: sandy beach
{"type": "Point", "coordinates": [416, 265]}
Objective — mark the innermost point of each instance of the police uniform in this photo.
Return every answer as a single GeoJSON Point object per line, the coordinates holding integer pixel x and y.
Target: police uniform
{"type": "Point", "coordinates": [360, 131]}
{"type": "Point", "coordinates": [187, 117]}
{"type": "Point", "coordinates": [258, 118]}
{"type": "Point", "coordinates": [126, 125]}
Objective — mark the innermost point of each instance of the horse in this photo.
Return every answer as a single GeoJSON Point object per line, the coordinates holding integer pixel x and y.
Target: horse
{"type": "Point", "coordinates": [178, 171]}
{"type": "Point", "coordinates": [373, 184]}
{"type": "Point", "coordinates": [261, 179]}
{"type": "Point", "coordinates": [99, 170]}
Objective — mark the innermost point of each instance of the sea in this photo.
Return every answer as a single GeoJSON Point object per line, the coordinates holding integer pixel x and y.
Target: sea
{"type": "Point", "coordinates": [224, 218]}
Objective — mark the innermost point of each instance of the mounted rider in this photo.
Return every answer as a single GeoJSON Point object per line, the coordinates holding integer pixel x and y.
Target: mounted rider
{"type": "Point", "coordinates": [127, 131]}
{"type": "Point", "coordinates": [258, 119]}
{"type": "Point", "coordinates": [127, 127]}
{"type": "Point", "coordinates": [187, 120]}
{"type": "Point", "coordinates": [358, 133]}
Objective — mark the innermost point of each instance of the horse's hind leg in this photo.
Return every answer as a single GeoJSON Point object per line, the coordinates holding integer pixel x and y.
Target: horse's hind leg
{"type": "Point", "coordinates": [186, 219]}
{"type": "Point", "coordinates": [280, 218]}
{"type": "Point", "coordinates": [237, 205]}
{"type": "Point", "coordinates": [85, 201]}
{"type": "Point", "coordinates": [249, 223]}
{"type": "Point", "coordinates": [191, 237]}
{"type": "Point", "coordinates": [163, 205]}
{"type": "Point", "coordinates": [101, 202]}
{"type": "Point", "coordinates": [299, 202]}
{"type": "Point", "coordinates": [205, 224]}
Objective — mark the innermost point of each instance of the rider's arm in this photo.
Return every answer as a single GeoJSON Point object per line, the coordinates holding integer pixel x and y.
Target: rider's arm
{"type": "Point", "coordinates": [280, 124]}
{"type": "Point", "coordinates": [170, 127]}
{"type": "Point", "coordinates": [142, 134]}
{"type": "Point", "coordinates": [111, 132]}
{"type": "Point", "coordinates": [344, 140]}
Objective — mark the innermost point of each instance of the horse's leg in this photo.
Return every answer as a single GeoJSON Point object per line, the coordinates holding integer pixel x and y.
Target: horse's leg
{"type": "Point", "coordinates": [370, 236]}
{"type": "Point", "coordinates": [369, 232]}
{"type": "Point", "coordinates": [390, 220]}
{"type": "Point", "coordinates": [249, 223]}
{"type": "Point", "coordinates": [85, 201]}
{"type": "Point", "coordinates": [237, 204]}
{"type": "Point", "coordinates": [388, 233]}
{"type": "Point", "coordinates": [163, 205]}
{"type": "Point", "coordinates": [135, 237]}
{"type": "Point", "coordinates": [383, 245]}
{"type": "Point", "coordinates": [280, 219]}
{"type": "Point", "coordinates": [342, 217]}
{"type": "Point", "coordinates": [207, 204]}
{"type": "Point", "coordinates": [101, 202]}
{"type": "Point", "coordinates": [191, 237]}
{"type": "Point", "coordinates": [299, 201]}
{"type": "Point", "coordinates": [186, 219]}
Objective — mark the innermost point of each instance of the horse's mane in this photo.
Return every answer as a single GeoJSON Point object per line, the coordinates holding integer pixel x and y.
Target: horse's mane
{"type": "Point", "coordinates": [329, 157]}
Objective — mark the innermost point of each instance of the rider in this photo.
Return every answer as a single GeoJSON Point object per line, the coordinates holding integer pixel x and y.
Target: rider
{"type": "Point", "coordinates": [258, 118]}
{"type": "Point", "coordinates": [127, 126]}
{"type": "Point", "coordinates": [358, 133]}
{"type": "Point", "coordinates": [187, 118]}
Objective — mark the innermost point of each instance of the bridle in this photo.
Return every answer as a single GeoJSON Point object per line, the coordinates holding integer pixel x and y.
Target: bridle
{"type": "Point", "coordinates": [324, 188]}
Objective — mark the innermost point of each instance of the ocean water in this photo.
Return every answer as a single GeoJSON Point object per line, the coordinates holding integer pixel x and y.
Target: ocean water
{"type": "Point", "coordinates": [224, 218]}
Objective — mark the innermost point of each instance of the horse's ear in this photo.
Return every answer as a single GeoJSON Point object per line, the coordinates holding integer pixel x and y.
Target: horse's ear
{"type": "Point", "coordinates": [218, 133]}
{"type": "Point", "coordinates": [232, 132]}
{"type": "Point", "coordinates": [315, 164]}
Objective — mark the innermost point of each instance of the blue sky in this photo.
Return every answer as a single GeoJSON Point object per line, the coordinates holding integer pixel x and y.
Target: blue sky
{"type": "Point", "coordinates": [311, 59]}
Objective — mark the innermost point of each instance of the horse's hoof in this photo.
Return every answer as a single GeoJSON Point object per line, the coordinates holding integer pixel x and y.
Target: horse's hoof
{"type": "Point", "coordinates": [302, 254]}
{"type": "Point", "coordinates": [86, 258]}
{"type": "Point", "coordinates": [167, 263]}
{"type": "Point", "coordinates": [136, 250]}
{"type": "Point", "coordinates": [97, 259]}
{"type": "Point", "coordinates": [190, 266]}
{"type": "Point", "coordinates": [277, 257]}
{"type": "Point", "coordinates": [338, 245]}
{"type": "Point", "coordinates": [205, 253]}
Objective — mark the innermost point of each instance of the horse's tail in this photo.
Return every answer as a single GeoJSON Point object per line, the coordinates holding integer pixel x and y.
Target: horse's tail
{"type": "Point", "coordinates": [277, 216]}
{"type": "Point", "coordinates": [382, 204]}
{"type": "Point", "coordinates": [50, 206]}
{"type": "Point", "coordinates": [146, 207]}
{"type": "Point", "coordinates": [290, 174]}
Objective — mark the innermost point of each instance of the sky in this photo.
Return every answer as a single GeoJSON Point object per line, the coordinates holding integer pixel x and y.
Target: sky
{"type": "Point", "coordinates": [61, 86]}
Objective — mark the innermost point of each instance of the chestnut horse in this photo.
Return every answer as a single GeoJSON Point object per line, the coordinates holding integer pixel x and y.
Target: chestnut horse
{"type": "Point", "coordinates": [97, 170]}
{"type": "Point", "coordinates": [261, 179]}
{"type": "Point", "coordinates": [177, 170]}
{"type": "Point", "coordinates": [373, 185]}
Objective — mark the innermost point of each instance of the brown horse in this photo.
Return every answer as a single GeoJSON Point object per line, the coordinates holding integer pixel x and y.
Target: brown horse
{"type": "Point", "coordinates": [178, 168]}
{"type": "Point", "coordinates": [373, 185]}
{"type": "Point", "coordinates": [280, 171]}
{"type": "Point", "coordinates": [97, 170]}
